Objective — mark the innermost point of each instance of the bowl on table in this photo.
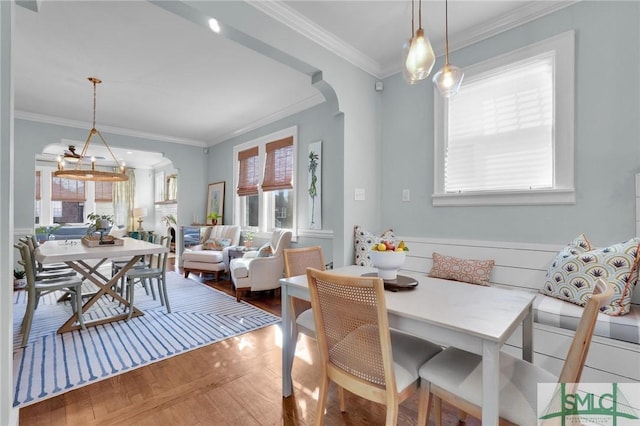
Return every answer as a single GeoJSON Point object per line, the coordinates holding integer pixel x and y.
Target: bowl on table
{"type": "Point", "coordinates": [388, 263]}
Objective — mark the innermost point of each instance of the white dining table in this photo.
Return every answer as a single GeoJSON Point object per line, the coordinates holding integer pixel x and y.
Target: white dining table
{"type": "Point", "coordinates": [474, 318]}
{"type": "Point", "coordinates": [87, 260]}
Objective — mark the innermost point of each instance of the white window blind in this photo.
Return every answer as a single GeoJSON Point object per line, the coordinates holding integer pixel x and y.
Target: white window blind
{"type": "Point", "coordinates": [500, 129]}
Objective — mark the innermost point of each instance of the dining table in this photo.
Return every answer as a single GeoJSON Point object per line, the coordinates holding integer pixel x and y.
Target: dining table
{"type": "Point", "coordinates": [474, 318]}
{"type": "Point", "coordinates": [86, 261]}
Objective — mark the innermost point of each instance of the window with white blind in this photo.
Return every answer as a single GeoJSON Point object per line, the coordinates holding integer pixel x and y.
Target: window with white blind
{"type": "Point", "coordinates": [507, 136]}
{"type": "Point", "coordinates": [265, 182]}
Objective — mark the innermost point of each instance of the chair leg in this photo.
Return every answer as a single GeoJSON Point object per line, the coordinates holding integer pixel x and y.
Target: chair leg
{"type": "Point", "coordinates": [322, 399]}
{"type": "Point", "coordinates": [424, 404]}
{"type": "Point", "coordinates": [392, 414]}
{"type": "Point", "coordinates": [79, 307]}
{"type": "Point", "coordinates": [27, 320]}
{"type": "Point", "coordinates": [130, 293]}
{"type": "Point", "coordinates": [343, 405]}
{"type": "Point", "coordinates": [163, 281]}
{"type": "Point", "coordinates": [437, 410]}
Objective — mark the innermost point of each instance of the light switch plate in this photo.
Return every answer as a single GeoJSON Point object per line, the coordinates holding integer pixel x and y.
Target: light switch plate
{"type": "Point", "coordinates": [406, 195]}
{"type": "Point", "coordinates": [358, 194]}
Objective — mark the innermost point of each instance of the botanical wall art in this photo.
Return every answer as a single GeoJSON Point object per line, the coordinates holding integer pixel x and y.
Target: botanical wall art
{"type": "Point", "coordinates": [314, 189]}
{"type": "Point", "coordinates": [215, 202]}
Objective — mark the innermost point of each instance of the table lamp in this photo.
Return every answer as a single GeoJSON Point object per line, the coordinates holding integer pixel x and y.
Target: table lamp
{"type": "Point", "coordinates": [139, 212]}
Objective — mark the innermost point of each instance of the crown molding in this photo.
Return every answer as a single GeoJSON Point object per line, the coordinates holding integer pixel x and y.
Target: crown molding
{"type": "Point", "coordinates": [291, 18]}
{"type": "Point", "coordinates": [304, 26]}
{"type": "Point", "coordinates": [49, 119]}
{"type": "Point", "coordinates": [271, 118]}
{"type": "Point", "coordinates": [527, 13]}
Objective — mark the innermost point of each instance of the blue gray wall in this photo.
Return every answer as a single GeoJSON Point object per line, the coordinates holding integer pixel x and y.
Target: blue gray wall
{"type": "Point", "coordinates": [320, 123]}
{"type": "Point", "coordinates": [606, 138]}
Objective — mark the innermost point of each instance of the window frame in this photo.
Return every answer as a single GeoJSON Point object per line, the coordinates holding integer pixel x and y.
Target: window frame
{"type": "Point", "coordinates": [266, 199]}
{"type": "Point", "coordinates": [563, 191]}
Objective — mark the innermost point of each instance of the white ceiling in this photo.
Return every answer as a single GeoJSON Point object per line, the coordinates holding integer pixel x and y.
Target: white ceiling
{"type": "Point", "coordinates": [167, 77]}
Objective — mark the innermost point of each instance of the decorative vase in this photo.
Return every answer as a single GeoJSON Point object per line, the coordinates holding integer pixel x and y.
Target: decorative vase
{"type": "Point", "coordinates": [19, 283]}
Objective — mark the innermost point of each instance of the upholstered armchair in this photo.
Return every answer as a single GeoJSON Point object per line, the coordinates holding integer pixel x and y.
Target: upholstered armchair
{"type": "Point", "coordinates": [205, 260]}
{"type": "Point", "coordinates": [252, 272]}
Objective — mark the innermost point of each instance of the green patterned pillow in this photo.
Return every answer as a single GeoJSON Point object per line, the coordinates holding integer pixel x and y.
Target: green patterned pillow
{"type": "Point", "coordinates": [574, 271]}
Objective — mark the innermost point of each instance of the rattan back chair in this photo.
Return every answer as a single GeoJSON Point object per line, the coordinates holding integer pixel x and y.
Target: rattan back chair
{"type": "Point", "coordinates": [455, 375]}
{"type": "Point", "coordinates": [356, 346]}
{"type": "Point", "coordinates": [296, 262]}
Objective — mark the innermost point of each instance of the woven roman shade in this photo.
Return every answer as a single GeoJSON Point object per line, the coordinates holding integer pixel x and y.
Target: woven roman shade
{"type": "Point", "coordinates": [104, 191]}
{"type": "Point", "coordinates": [67, 189]}
{"type": "Point", "coordinates": [278, 170]}
{"type": "Point", "coordinates": [248, 175]}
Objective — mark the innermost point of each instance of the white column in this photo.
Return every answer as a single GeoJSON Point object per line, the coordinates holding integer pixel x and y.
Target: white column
{"type": "Point", "coordinates": [8, 415]}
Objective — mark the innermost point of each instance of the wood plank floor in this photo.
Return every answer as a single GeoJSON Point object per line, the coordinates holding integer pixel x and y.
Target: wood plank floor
{"type": "Point", "coordinates": [233, 382]}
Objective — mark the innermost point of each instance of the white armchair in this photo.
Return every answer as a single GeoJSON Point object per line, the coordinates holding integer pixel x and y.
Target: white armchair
{"type": "Point", "coordinates": [198, 260]}
{"type": "Point", "coordinates": [253, 273]}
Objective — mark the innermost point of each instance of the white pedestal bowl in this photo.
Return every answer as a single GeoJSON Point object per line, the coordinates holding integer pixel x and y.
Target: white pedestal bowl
{"type": "Point", "coordinates": [388, 263]}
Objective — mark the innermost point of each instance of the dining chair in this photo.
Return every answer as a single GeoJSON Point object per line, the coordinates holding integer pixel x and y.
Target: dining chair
{"type": "Point", "coordinates": [37, 288]}
{"type": "Point", "coordinates": [57, 270]}
{"type": "Point", "coordinates": [455, 375]}
{"type": "Point", "coordinates": [296, 262]}
{"type": "Point", "coordinates": [155, 270]}
{"type": "Point", "coordinates": [357, 349]}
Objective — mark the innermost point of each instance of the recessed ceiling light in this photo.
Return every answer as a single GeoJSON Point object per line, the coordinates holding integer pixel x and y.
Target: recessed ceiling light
{"type": "Point", "coordinates": [129, 152]}
{"type": "Point", "coordinates": [213, 24]}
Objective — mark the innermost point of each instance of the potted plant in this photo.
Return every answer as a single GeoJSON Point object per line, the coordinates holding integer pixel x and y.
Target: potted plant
{"type": "Point", "coordinates": [248, 238]}
{"type": "Point", "coordinates": [169, 220]}
{"type": "Point", "coordinates": [48, 231]}
{"type": "Point", "coordinates": [19, 279]}
{"type": "Point", "coordinates": [214, 217]}
{"type": "Point", "coordinates": [98, 221]}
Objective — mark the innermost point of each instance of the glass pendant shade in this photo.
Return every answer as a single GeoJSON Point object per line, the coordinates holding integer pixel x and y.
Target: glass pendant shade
{"type": "Point", "coordinates": [448, 80]}
{"type": "Point", "coordinates": [421, 57]}
{"type": "Point", "coordinates": [408, 77]}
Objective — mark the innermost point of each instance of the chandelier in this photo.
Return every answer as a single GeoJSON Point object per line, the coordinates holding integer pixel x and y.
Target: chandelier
{"type": "Point", "coordinates": [85, 170]}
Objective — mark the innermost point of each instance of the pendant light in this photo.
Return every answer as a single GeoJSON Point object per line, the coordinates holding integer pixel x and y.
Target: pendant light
{"type": "Point", "coordinates": [81, 173]}
{"type": "Point", "coordinates": [449, 78]}
{"type": "Point", "coordinates": [419, 58]}
{"type": "Point", "coordinates": [408, 77]}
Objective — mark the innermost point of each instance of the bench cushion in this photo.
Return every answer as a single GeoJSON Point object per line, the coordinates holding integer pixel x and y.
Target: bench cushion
{"type": "Point", "coordinates": [557, 313]}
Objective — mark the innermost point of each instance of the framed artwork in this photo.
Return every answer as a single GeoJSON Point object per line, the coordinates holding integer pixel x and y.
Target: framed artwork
{"type": "Point", "coordinates": [215, 202]}
{"type": "Point", "coordinates": [314, 190]}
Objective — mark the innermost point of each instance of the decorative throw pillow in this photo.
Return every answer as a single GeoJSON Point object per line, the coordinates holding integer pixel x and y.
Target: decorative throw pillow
{"type": "Point", "coordinates": [364, 240]}
{"type": "Point", "coordinates": [574, 271]}
{"type": "Point", "coordinates": [217, 244]}
{"type": "Point", "coordinates": [206, 235]}
{"type": "Point", "coordinates": [118, 232]}
{"type": "Point", "coordinates": [464, 270]}
{"type": "Point", "coordinates": [265, 251]}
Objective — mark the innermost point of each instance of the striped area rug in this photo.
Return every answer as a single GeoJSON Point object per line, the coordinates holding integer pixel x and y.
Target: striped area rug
{"type": "Point", "coordinates": [55, 363]}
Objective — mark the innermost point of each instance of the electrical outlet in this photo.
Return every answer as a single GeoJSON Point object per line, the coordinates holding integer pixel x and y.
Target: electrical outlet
{"type": "Point", "coordinates": [406, 195]}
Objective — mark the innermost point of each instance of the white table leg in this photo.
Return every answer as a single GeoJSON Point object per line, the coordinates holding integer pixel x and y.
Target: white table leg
{"type": "Point", "coordinates": [490, 384]}
{"type": "Point", "coordinates": [527, 336]}
{"type": "Point", "coordinates": [288, 345]}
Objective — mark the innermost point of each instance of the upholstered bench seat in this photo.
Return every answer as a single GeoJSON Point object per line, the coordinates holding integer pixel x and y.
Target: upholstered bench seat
{"type": "Point", "coordinates": [558, 313]}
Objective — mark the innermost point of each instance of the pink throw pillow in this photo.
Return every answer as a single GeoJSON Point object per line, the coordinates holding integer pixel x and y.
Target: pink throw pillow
{"type": "Point", "coordinates": [464, 270]}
